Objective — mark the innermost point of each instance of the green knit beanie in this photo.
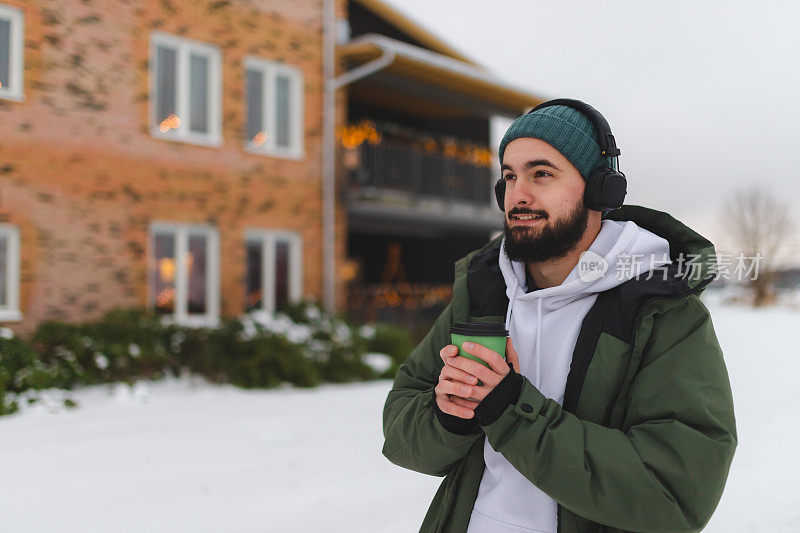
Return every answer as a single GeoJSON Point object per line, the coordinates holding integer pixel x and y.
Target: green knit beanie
{"type": "Point", "coordinates": [566, 129]}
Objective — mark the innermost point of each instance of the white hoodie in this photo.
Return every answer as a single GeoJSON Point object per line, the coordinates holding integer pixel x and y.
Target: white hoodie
{"type": "Point", "coordinates": [544, 326]}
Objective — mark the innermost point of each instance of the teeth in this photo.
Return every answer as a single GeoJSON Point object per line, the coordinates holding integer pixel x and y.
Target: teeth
{"type": "Point", "coordinates": [525, 217]}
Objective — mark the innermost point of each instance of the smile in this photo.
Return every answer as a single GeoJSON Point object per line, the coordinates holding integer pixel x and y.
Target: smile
{"type": "Point", "coordinates": [526, 219]}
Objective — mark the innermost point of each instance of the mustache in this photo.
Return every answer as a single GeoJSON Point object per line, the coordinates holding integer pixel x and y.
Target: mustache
{"type": "Point", "coordinates": [536, 212]}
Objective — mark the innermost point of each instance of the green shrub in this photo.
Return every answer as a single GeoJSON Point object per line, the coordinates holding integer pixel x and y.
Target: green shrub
{"type": "Point", "coordinates": [301, 345]}
{"type": "Point", "coordinates": [267, 361]}
{"type": "Point", "coordinates": [7, 405]}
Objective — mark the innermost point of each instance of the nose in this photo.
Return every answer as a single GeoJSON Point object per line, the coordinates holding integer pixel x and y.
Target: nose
{"type": "Point", "coordinates": [519, 193]}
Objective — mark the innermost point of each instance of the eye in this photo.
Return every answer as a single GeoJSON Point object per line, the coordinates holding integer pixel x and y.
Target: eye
{"type": "Point", "coordinates": [538, 172]}
{"type": "Point", "coordinates": [508, 177]}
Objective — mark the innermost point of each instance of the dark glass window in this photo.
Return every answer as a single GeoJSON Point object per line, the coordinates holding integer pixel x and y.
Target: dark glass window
{"type": "Point", "coordinates": [163, 273]}
{"type": "Point", "coordinates": [255, 105]}
{"type": "Point", "coordinates": [282, 111]}
{"type": "Point", "coordinates": [166, 86]}
{"type": "Point", "coordinates": [197, 274]}
{"type": "Point", "coordinates": [254, 288]}
{"type": "Point", "coordinates": [198, 91]}
{"type": "Point", "coordinates": [3, 270]}
{"type": "Point", "coordinates": [5, 53]}
{"type": "Point", "coordinates": [281, 274]}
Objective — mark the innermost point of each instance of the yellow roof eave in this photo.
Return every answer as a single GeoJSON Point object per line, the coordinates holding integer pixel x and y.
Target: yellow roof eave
{"type": "Point", "coordinates": [412, 28]}
{"type": "Point", "coordinates": [439, 70]}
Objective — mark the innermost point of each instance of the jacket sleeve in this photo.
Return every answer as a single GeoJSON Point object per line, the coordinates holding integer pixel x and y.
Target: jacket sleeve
{"type": "Point", "coordinates": [415, 436]}
{"type": "Point", "coordinates": [667, 467]}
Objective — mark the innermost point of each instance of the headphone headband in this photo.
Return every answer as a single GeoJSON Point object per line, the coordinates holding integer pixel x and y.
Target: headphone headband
{"type": "Point", "coordinates": [608, 146]}
{"type": "Point", "coordinates": [606, 186]}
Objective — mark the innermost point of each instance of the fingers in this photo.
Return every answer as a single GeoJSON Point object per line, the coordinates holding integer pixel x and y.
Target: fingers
{"type": "Point", "coordinates": [494, 359]}
{"type": "Point", "coordinates": [473, 368]}
{"type": "Point", "coordinates": [456, 374]}
{"type": "Point", "coordinates": [469, 404]}
{"type": "Point", "coordinates": [447, 405]}
{"type": "Point", "coordinates": [448, 351]}
{"type": "Point", "coordinates": [455, 389]}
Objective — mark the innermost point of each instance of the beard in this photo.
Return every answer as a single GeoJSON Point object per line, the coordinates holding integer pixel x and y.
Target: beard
{"type": "Point", "coordinates": [550, 241]}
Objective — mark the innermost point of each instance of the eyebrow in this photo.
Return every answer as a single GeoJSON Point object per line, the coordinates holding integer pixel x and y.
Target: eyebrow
{"type": "Point", "coordinates": [530, 164]}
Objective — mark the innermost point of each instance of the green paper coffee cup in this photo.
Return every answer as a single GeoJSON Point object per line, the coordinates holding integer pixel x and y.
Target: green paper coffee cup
{"type": "Point", "coordinates": [489, 334]}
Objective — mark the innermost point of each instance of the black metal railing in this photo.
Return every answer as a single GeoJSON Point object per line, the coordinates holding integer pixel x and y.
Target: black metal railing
{"type": "Point", "coordinates": [420, 174]}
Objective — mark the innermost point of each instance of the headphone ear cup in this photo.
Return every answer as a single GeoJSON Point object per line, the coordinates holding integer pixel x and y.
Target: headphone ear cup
{"type": "Point", "coordinates": [500, 194]}
{"type": "Point", "coordinates": [605, 189]}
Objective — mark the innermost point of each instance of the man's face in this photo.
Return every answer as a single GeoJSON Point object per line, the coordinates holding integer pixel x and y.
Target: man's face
{"type": "Point", "coordinates": [541, 182]}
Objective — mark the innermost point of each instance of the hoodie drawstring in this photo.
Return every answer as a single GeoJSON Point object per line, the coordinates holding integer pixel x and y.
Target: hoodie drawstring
{"type": "Point", "coordinates": [511, 304]}
{"type": "Point", "coordinates": [539, 344]}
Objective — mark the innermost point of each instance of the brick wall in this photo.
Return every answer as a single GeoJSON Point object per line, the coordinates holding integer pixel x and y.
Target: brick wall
{"type": "Point", "coordinates": [82, 178]}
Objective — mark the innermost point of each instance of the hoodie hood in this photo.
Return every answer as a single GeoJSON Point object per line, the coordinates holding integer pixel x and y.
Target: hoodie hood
{"type": "Point", "coordinates": [622, 250]}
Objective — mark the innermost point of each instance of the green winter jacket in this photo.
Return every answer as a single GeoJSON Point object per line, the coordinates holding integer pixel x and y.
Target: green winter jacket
{"type": "Point", "coordinates": [646, 433]}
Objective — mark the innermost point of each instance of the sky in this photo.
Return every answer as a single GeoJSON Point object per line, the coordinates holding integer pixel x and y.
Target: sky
{"type": "Point", "coordinates": [701, 96]}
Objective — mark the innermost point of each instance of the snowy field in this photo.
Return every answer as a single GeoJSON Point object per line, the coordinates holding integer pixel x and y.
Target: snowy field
{"type": "Point", "coordinates": [182, 455]}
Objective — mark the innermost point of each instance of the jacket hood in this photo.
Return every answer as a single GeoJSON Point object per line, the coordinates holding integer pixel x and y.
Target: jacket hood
{"type": "Point", "coordinates": [693, 254]}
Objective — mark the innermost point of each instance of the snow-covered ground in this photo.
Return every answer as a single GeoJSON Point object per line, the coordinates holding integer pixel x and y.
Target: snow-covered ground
{"type": "Point", "coordinates": [182, 455]}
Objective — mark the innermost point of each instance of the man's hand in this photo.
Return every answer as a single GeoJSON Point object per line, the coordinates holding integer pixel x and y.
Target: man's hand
{"type": "Point", "coordinates": [498, 368]}
{"type": "Point", "coordinates": [455, 386]}
{"type": "Point", "coordinates": [457, 382]}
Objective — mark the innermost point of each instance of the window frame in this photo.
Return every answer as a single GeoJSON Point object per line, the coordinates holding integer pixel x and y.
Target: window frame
{"type": "Point", "coordinates": [11, 311]}
{"type": "Point", "coordinates": [267, 238]}
{"type": "Point", "coordinates": [270, 71]}
{"type": "Point", "coordinates": [184, 48]}
{"type": "Point", "coordinates": [16, 56]}
{"type": "Point", "coordinates": [181, 232]}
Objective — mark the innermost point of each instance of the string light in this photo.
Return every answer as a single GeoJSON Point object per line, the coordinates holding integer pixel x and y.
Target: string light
{"type": "Point", "coordinates": [166, 269]}
{"type": "Point", "coordinates": [354, 135]}
{"type": "Point", "coordinates": [172, 122]}
{"type": "Point", "coordinates": [260, 138]}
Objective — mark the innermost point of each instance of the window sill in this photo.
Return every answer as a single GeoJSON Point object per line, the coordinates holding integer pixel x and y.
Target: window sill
{"type": "Point", "coordinates": [212, 141]}
{"type": "Point", "coordinates": [10, 315]}
{"type": "Point", "coordinates": [295, 155]}
{"type": "Point", "coordinates": [191, 321]}
{"type": "Point", "coordinates": [12, 96]}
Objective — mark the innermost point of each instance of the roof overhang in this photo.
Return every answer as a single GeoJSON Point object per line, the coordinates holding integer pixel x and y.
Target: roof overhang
{"type": "Point", "coordinates": [456, 78]}
{"type": "Point", "coordinates": [412, 28]}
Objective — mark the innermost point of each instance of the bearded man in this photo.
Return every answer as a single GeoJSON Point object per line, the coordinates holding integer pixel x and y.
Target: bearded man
{"type": "Point", "coordinates": [612, 410]}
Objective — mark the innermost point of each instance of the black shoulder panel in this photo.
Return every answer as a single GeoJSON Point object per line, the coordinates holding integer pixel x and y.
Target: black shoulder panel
{"type": "Point", "coordinates": [620, 311]}
{"type": "Point", "coordinates": [487, 288]}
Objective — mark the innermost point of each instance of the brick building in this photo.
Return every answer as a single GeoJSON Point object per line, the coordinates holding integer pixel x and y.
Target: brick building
{"type": "Point", "coordinates": [169, 153]}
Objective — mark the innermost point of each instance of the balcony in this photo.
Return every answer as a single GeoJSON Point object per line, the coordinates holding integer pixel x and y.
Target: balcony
{"type": "Point", "coordinates": [417, 175]}
{"type": "Point", "coordinates": [423, 184]}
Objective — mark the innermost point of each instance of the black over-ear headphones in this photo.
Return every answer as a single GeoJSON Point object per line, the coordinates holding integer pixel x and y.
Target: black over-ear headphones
{"type": "Point", "coordinates": [606, 186]}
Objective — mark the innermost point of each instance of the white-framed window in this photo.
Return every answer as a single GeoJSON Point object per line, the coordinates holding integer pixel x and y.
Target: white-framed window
{"type": "Point", "coordinates": [274, 108]}
{"type": "Point", "coordinates": [185, 90]}
{"type": "Point", "coordinates": [9, 274]}
{"type": "Point", "coordinates": [274, 270]}
{"type": "Point", "coordinates": [183, 273]}
{"type": "Point", "coordinates": [12, 37]}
